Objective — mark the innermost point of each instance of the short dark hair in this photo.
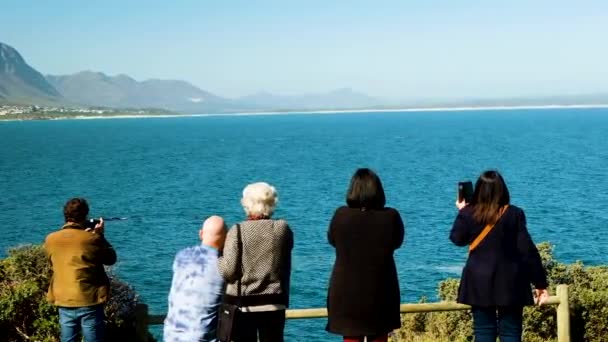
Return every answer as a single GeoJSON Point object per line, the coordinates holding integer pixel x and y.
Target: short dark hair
{"type": "Point", "coordinates": [76, 210]}
{"type": "Point", "coordinates": [490, 195]}
{"type": "Point", "coordinates": [365, 190]}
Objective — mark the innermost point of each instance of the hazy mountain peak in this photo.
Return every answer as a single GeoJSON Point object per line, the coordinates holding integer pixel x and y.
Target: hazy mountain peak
{"type": "Point", "coordinates": [347, 91]}
{"type": "Point", "coordinates": [21, 83]}
{"type": "Point", "coordinates": [91, 74]}
{"type": "Point", "coordinates": [341, 98]}
{"type": "Point", "coordinates": [9, 58]}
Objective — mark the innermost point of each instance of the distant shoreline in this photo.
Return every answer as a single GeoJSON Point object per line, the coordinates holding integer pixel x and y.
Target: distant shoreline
{"type": "Point", "coordinates": [420, 109]}
{"type": "Point", "coordinates": [329, 111]}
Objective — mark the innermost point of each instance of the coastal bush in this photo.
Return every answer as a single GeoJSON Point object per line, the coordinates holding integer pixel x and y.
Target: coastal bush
{"type": "Point", "coordinates": [450, 326]}
{"type": "Point", "coordinates": [25, 314]}
{"type": "Point", "coordinates": [588, 289]}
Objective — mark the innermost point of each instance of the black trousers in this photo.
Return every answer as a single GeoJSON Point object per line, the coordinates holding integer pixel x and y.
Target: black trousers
{"type": "Point", "coordinates": [268, 324]}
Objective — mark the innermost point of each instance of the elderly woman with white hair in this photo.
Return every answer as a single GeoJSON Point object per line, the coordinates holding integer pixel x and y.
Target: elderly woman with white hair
{"type": "Point", "coordinates": [265, 267]}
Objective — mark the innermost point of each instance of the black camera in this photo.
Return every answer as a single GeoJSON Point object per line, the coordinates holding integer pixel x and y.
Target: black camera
{"type": "Point", "coordinates": [90, 223]}
{"type": "Point", "coordinates": [465, 191]}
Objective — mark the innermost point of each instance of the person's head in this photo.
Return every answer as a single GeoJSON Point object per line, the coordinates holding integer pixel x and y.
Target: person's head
{"type": "Point", "coordinates": [490, 195]}
{"type": "Point", "coordinates": [259, 200]}
{"type": "Point", "coordinates": [365, 190]}
{"type": "Point", "coordinates": [76, 210]}
{"type": "Point", "coordinates": [213, 232]}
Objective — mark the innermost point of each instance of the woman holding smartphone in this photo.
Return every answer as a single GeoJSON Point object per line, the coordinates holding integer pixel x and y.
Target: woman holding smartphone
{"type": "Point", "coordinates": [503, 261]}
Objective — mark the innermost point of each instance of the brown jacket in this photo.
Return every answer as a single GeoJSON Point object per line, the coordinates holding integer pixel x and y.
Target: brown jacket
{"type": "Point", "coordinates": [77, 258]}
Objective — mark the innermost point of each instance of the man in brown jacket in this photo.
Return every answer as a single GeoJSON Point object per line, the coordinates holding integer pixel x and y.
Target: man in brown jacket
{"type": "Point", "coordinates": [79, 286]}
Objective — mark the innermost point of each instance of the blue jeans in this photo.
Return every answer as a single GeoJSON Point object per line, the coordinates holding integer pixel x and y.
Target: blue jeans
{"type": "Point", "coordinates": [488, 323]}
{"type": "Point", "coordinates": [88, 319]}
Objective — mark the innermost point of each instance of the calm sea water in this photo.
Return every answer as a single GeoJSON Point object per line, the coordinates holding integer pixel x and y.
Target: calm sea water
{"type": "Point", "coordinates": [166, 175]}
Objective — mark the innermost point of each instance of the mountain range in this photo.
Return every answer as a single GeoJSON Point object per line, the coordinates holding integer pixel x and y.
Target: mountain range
{"type": "Point", "coordinates": [97, 89]}
{"type": "Point", "coordinates": [337, 99]}
{"type": "Point", "coordinates": [22, 84]}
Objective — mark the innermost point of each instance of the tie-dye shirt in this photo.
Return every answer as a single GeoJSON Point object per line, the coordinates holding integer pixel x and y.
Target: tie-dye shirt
{"type": "Point", "coordinates": [195, 296]}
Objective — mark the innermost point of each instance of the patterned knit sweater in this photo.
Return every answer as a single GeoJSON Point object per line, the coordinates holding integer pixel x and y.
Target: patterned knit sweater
{"type": "Point", "coordinates": [266, 263]}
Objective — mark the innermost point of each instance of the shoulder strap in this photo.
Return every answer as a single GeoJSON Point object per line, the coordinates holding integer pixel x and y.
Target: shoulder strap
{"type": "Point", "coordinates": [486, 231]}
{"type": "Point", "coordinates": [239, 262]}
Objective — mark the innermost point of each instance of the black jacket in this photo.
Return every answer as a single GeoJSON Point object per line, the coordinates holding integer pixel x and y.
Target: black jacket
{"type": "Point", "coordinates": [500, 270]}
{"type": "Point", "coordinates": [363, 296]}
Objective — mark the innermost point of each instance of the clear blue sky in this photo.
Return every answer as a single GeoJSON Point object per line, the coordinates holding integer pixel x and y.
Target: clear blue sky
{"type": "Point", "coordinates": [406, 49]}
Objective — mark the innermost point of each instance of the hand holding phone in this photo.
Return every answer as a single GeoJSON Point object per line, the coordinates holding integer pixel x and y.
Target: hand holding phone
{"type": "Point", "coordinates": [465, 194]}
{"type": "Point", "coordinates": [96, 226]}
{"type": "Point", "coordinates": [91, 223]}
{"type": "Point", "coordinates": [99, 227]}
{"type": "Point", "coordinates": [461, 204]}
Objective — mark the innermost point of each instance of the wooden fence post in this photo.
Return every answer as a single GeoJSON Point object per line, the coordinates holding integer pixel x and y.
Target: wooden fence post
{"type": "Point", "coordinates": [141, 322]}
{"type": "Point", "coordinates": [563, 314]}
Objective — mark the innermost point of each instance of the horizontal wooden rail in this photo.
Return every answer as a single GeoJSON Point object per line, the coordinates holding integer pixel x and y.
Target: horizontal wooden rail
{"type": "Point", "coordinates": [561, 300]}
{"type": "Point", "coordinates": [405, 308]}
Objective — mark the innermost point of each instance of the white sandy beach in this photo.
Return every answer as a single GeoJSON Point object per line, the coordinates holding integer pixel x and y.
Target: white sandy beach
{"type": "Point", "coordinates": [423, 109]}
{"type": "Point", "coordinates": [340, 111]}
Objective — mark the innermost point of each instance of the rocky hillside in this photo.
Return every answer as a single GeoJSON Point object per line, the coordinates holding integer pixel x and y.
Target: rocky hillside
{"type": "Point", "coordinates": [20, 83]}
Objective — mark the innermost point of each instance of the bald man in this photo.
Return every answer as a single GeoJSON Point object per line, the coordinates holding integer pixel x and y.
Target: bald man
{"type": "Point", "coordinates": [197, 287]}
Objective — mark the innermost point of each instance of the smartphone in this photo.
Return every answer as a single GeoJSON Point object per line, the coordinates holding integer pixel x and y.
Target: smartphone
{"type": "Point", "coordinates": [465, 191]}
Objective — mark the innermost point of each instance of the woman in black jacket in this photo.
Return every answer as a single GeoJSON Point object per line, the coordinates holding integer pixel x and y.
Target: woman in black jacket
{"type": "Point", "coordinates": [503, 261]}
{"type": "Point", "coordinates": [363, 299]}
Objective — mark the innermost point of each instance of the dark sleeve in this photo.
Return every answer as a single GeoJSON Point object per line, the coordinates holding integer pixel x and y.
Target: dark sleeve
{"type": "Point", "coordinates": [289, 239]}
{"type": "Point", "coordinates": [529, 254]}
{"type": "Point", "coordinates": [287, 264]}
{"type": "Point", "coordinates": [227, 262]}
{"type": "Point", "coordinates": [331, 232]}
{"type": "Point", "coordinates": [104, 252]}
{"type": "Point", "coordinates": [461, 230]}
{"type": "Point", "coordinates": [398, 230]}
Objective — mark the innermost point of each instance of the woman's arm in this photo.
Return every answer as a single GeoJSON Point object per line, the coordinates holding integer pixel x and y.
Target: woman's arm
{"type": "Point", "coordinates": [227, 262]}
{"type": "Point", "coordinates": [529, 254]}
{"type": "Point", "coordinates": [461, 230]}
{"type": "Point", "coordinates": [286, 265]}
{"type": "Point", "coordinates": [331, 232]}
{"type": "Point", "coordinates": [398, 230]}
{"type": "Point", "coordinates": [289, 238]}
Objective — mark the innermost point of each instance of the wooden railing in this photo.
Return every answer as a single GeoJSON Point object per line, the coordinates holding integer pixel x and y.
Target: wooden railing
{"type": "Point", "coordinates": [560, 299]}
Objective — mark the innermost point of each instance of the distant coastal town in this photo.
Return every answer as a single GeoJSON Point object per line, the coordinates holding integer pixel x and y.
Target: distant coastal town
{"type": "Point", "coordinates": [35, 112]}
{"type": "Point", "coordinates": [22, 109]}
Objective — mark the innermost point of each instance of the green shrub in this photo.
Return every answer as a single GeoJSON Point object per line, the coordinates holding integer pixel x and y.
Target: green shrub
{"type": "Point", "coordinates": [25, 314]}
{"type": "Point", "coordinates": [453, 326]}
{"type": "Point", "coordinates": [588, 289]}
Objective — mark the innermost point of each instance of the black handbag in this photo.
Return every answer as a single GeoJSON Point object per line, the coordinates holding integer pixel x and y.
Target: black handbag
{"type": "Point", "coordinates": [229, 313]}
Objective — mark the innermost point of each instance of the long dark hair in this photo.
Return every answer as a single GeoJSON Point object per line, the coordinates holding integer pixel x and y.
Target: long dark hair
{"type": "Point", "coordinates": [365, 190]}
{"type": "Point", "coordinates": [490, 195]}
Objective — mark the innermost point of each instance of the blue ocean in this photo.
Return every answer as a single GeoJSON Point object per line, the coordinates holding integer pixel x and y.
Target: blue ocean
{"type": "Point", "coordinates": [165, 175]}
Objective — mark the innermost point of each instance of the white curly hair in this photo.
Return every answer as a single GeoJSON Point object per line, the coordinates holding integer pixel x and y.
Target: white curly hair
{"type": "Point", "coordinates": [259, 199]}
